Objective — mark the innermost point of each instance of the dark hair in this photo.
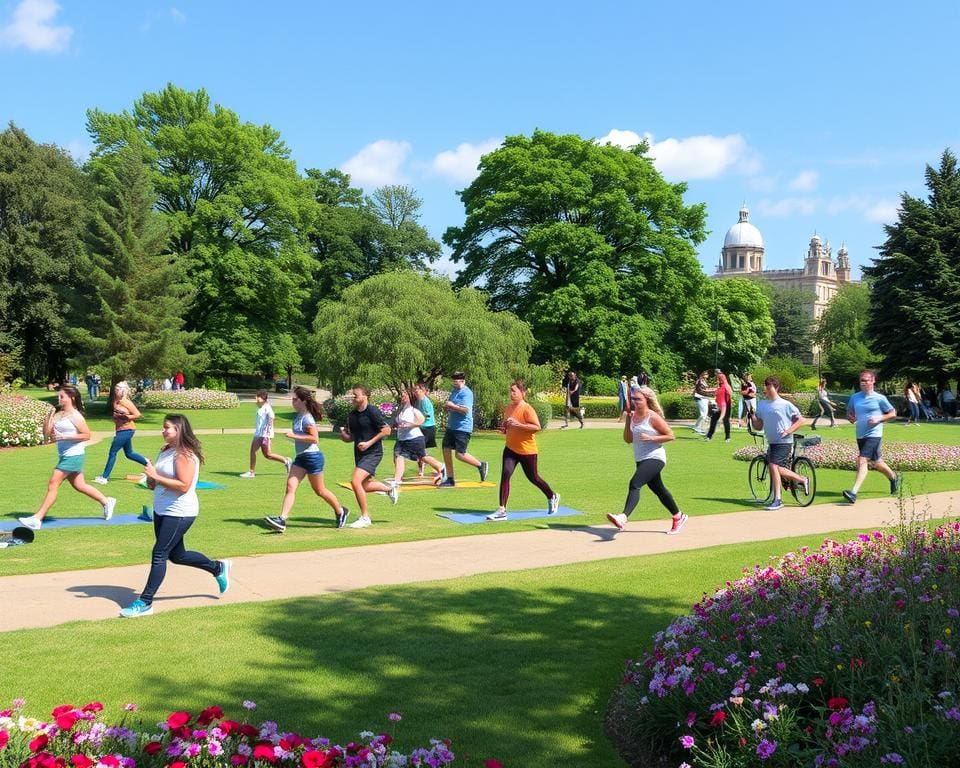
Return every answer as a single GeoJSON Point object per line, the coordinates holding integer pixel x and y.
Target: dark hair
{"type": "Point", "coordinates": [186, 440]}
{"type": "Point", "coordinates": [773, 381]}
{"type": "Point", "coordinates": [306, 397]}
{"type": "Point", "coordinates": [363, 388]}
{"type": "Point", "coordinates": [74, 395]}
{"type": "Point", "coordinates": [519, 384]}
{"type": "Point", "coordinates": [458, 375]}
{"type": "Point", "coordinates": [263, 393]}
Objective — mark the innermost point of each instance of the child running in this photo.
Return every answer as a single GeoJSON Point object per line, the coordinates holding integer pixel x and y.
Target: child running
{"type": "Point", "coordinates": [410, 443]}
{"type": "Point", "coordinates": [520, 424]}
{"type": "Point", "coordinates": [69, 430]}
{"type": "Point", "coordinates": [263, 435]}
{"type": "Point", "coordinates": [647, 431]}
{"type": "Point", "coordinates": [124, 412]}
{"type": "Point", "coordinates": [309, 461]}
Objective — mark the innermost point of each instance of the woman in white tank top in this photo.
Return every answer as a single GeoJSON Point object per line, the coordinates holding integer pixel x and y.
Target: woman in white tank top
{"type": "Point", "coordinates": [645, 429]}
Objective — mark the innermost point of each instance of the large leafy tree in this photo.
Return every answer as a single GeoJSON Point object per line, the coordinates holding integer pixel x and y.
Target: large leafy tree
{"type": "Point", "coordinates": [842, 334]}
{"type": "Point", "coordinates": [914, 321]}
{"type": "Point", "coordinates": [793, 326]}
{"type": "Point", "coordinates": [400, 327]}
{"type": "Point", "coordinates": [41, 245]}
{"type": "Point", "coordinates": [133, 323]}
{"type": "Point", "coordinates": [238, 211]}
{"type": "Point", "coordinates": [579, 238]}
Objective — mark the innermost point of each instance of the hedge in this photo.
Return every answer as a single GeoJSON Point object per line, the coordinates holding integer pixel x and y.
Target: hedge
{"type": "Point", "coordinates": [186, 399]}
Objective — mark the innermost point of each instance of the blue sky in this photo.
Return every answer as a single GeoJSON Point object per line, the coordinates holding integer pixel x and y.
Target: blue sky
{"type": "Point", "coordinates": [817, 115]}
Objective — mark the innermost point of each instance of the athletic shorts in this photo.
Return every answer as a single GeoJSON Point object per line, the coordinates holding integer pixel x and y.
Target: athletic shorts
{"type": "Point", "coordinates": [71, 464]}
{"type": "Point", "coordinates": [869, 448]}
{"type": "Point", "coordinates": [412, 450]}
{"type": "Point", "coordinates": [262, 440]}
{"type": "Point", "coordinates": [779, 454]}
{"type": "Point", "coordinates": [429, 436]}
{"type": "Point", "coordinates": [368, 461]}
{"type": "Point", "coordinates": [311, 462]}
{"type": "Point", "coordinates": [456, 440]}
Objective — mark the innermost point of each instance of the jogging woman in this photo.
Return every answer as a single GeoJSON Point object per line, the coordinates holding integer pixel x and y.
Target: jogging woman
{"type": "Point", "coordinates": [647, 431]}
{"type": "Point", "coordinates": [124, 412]}
{"type": "Point", "coordinates": [823, 402]}
{"type": "Point", "coordinates": [411, 443]}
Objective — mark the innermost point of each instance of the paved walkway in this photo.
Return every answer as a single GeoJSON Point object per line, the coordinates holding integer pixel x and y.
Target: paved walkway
{"type": "Point", "coordinates": [48, 599]}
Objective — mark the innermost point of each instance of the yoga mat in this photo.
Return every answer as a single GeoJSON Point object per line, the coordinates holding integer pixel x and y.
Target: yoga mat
{"type": "Point", "coordinates": [74, 522]}
{"type": "Point", "coordinates": [202, 485]}
{"type": "Point", "coordinates": [468, 518]}
{"type": "Point", "coordinates": [431, 487]}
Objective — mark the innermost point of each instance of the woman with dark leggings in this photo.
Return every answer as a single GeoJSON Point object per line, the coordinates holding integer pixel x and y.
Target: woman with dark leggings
{"type": "Point", "coordinates": [647, 431]}
{"type": "Point", "coordinates": [520, 424]}
{"type": "Point", "coordinates": [724, 398]}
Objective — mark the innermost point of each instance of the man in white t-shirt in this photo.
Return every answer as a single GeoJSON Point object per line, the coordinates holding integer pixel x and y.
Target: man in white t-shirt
{"type": "Point", "coordinates": [779, 419]}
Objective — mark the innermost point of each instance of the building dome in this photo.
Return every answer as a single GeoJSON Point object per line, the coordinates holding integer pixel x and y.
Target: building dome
{"type": "Point", "coordinates": [743, 233]}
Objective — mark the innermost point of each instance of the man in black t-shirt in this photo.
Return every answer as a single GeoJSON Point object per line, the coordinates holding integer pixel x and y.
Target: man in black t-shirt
{"type": "Point", "coordinates": [366, 428]}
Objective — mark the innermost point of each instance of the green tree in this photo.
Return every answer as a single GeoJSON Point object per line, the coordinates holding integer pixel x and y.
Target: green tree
{"type": "Point", "coordinates": [576, 237]}
{"type": "Point", "coordinates": [793, 325]}
{"type": "Point", "coordinates": [914, 322]}
{"type": "Point", "coordinates": [845, 318]}
{"type": "Point", "coordinates": [238, 212]}
{"type": "Point", "coordinates": [41, 246]}
{"type": "Point", "coordinates": [398, 328]}
{"type": "Point", "coordinates": [139, 297]}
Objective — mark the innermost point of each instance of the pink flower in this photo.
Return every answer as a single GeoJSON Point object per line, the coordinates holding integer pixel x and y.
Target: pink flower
{"type": "Point", "coordinates": [687, 742]}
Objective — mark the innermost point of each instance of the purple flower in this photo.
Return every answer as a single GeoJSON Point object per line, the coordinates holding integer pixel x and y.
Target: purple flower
{"type": "Point", "coordinates": [249, 704]}
{"type": "Point", "coordinates": [687, 742]}
{"type": "Point", "coordinates": [766, 748]}
{"type": "Point", "coordinates": [892, 757]}
{"type": "Point", "coordinates": [394, 717]}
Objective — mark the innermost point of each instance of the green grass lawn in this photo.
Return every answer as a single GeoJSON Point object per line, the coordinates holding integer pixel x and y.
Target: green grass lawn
{"type": "Point", "coordinates": [589, 468]}
{"type": "Point", "coordinates": [513, 666]}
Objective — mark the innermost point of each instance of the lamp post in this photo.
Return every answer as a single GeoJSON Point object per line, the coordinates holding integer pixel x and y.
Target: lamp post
{"type": "Point", "coordinates": [716, 329]}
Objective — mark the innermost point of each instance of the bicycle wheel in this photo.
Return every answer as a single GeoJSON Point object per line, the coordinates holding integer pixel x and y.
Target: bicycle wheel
{"type": "Point", "coordinates": [804, 467]}
{"type": "Point", "coordinates": [759, 478]}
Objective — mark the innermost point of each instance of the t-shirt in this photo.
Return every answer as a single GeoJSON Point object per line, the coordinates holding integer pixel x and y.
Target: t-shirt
{"type": "Point", "coordinates": [363, 426]}
{"type": "Point", "coordinates": [462, 422]}
{"type": "Point", "coordinates": [519, 440]}
{"type": "Point", "coordinates": [866, 407]}
{"type": "Point", "coordinates": [264, 424]}
{"type": "Point", "coordinates": [724, 395]}
{"type": "Point", "coordinates": [425, 407]}
{"type": "Point", "coordinates": [300, 425]}
{"type": "Point", "coordinates": [777, 415]}
{"type": "Point", "coordinates": [408, 414]}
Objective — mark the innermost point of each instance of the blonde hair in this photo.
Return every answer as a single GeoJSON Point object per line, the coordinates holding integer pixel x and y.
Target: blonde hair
{"type": "Point", "coordinates": [121, 389]}
{"type": "Point", "coordinates": [651, 397]}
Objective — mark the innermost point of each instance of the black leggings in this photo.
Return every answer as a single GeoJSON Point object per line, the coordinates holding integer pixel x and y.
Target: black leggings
{"type": "Point", "coordinates": [648, 473]}
{"type": "Point", "coordinates": [529, 463]}
{"type": "Point", "coordinates": [726, 423]}
{"type": "Point", "coordinates": [169, 546]}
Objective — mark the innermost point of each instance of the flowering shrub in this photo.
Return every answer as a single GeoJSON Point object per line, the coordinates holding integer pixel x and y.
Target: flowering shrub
{"type": "Point", "coordinates": [186, 399]}
{"type": "Point", "coordinates": [338, 408]}
{"type": "Point", "coordinates": [842, 656]}
{"type": "Point", "coordinates": [21, 420]}
{"type": "Point", "coordinates": [905, 457]}
{"type": "Point", "coordinates": [77, 737]}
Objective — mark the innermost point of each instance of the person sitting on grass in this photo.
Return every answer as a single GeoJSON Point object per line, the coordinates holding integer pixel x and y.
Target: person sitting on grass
{"type": "Point", "coordinates": [779, 419]}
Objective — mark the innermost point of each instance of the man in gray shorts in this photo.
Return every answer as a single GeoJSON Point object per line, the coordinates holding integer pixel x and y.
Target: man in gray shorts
{"type": "Point", "coordinates": [366, 428]}
{"type": "Point", "coordinates": [780, 419]}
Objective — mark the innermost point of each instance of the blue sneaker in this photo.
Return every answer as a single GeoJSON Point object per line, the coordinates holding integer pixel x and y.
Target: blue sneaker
{"type": "Point", "coordinates": [775, 505]}
{"type": "Point", "coordinates": [342, 516]}
{"type": "Point", "coordinates": [223, 578]}
{"type": "Point", "coordinates": [135, 609]}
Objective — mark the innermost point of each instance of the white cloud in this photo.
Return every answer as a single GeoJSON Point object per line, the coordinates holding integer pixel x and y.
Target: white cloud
{"type": "Point", "coordinates": [79, 149]}
{"type": "Point", "coordinates": [378, 163]}
{"type": "Point", "coordinates": [31, 27]}
{"type": "Point", "coordinates": [178, 16]}
{"type": "Point", "coordinates": [805, 181]}
{"type": "Point", "coordinates": [789, 206]}
{"type": "Point", "coordinates": [883, 212]}
{"type": "Point", "coordinates": [694, 157]}
{"type": "Point", "coordinates": [460, 164]}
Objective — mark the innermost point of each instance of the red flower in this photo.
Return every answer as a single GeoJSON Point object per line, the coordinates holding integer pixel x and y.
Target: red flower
{"type": "Point", "coordinates": [178, 719]}
{"type": "Point", "coordinates": [718, 717]}
{"type": "Point", "coordinates": [228, 726]}
{"type": "Point", "coordinates": [856, 663]}
{"type": "Point", "coordinates": [81, 761]}
{"type": "Point", "coordinates": [314, 758]}
{"type": "Point", "coordinates": [4, 738]}
{"type": "Point", "coordinates": [93, 706]}
{"type": "Point", "coordinates": [264, 752]}
{"type": "Point", "coordinates": [238, 760]}
{"type": "Point", "coordinates": [837, 702]}
{"type": "Point", "coordinates": [66, 721]}
{"type": "Point", "coordinates": [818, 681]}
{"type": "Point", "coordinates": [177, 764]}
{"type": "Point", "coordinates": [209, 715]}
{"type": "Point", "coordinates": [386, 739]}
{"type": "Point", "coordinates": [111, 760]}
{"type": "Point", "coordinates": [492, 764]}
{"type": "Point", "coordinates": [63, 708]}
{"type": "Point", "coordinates": [250, 731]}
{"type": "Point", "coordinates": [152, 747]}
{"type": "Point", "coordinates": [39, 743]}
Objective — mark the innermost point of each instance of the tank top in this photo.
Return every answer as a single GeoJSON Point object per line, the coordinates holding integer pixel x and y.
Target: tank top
{"type": "Point", "coordinates": [65, 427]}
{"type": "Point", "coordinates": [643, 450]}
{"type": "Point", "coordinates": [169, 502]}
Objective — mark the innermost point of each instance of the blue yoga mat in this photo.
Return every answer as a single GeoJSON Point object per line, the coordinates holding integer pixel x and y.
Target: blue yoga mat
{"type": "Point", "coordinates": [73, 522]}
{"type": "Point", "coordinates": [468, 518]}
{"type": "Point", "coordinates": [205, 484]}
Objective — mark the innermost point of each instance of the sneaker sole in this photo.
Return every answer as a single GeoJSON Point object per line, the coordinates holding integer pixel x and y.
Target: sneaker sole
{"type": "Point", "coordinates": [274, 526]}
{"type": "Point", "coordinates": [675, 531]}
{"type": "Point", "coordinates": [613, 519]}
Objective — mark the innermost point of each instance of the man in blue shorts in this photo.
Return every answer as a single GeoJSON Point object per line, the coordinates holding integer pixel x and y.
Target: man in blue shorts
{"type": "Point", "coordinates": [780, 419]}
{"type": "Point", "coordinates": [456, 438]}
{"type": "Point", "coordinates": [868, 410]}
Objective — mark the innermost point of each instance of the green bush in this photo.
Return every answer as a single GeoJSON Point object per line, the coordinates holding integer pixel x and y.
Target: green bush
{"type": "Point", "coordinates": [209, 381]}
{"type": "Point", "coordinates": [596, 407]}
{"type": "Point", "coordinates": [21, 420]}
{"type": "Point", "coordinates": [678, 405]}
{"type": "Point", "coordinates": [599, 385]}
{"type": "Point", "coordinates": [186, 399]}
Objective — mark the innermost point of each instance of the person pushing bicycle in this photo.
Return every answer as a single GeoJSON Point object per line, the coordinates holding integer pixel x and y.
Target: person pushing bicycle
{"type": "Point", "coordinates": [779, 419]}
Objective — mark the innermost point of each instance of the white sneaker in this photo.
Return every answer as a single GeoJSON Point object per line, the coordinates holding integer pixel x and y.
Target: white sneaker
{"type": "Point", "coordinates": [500, 514]}
{"type": "Point", "coordinates": [394, 493]}
{"type": "Point", "coordinates": [142, 481]}
{"type": "Point", "coordinates": [247, 475]}
{"type": "Point", "coordinates": [618, 520]}
{"type": "Point", "coordinates": [554, 504]}
{"type": "Point", "coordinates": [30, 522]}
{"type": "Point", "coordinates": [288, 462]}
{"type": "Point", "coordinates": [101, 480]}
{"type": "Point", "coordinates": [108, 507]}
{"type": "Point", "coordinates": [361, 522]}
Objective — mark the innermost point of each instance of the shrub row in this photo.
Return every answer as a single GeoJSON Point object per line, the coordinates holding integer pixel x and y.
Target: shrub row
{"type": "Point", "coordinates": [21, 420]}
{"type": "Point", "coordinates": [903, 457]}
{"type": "Point", "coordinates": [186, 399]}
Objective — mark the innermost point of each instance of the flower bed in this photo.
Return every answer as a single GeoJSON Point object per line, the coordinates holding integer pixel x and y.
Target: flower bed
{"type": "Point", "coordinates": [904, 457]}
{"type": "Point", "coordinates": [186, 399]}
{"type": "Point", "coordinates": [80, 737]}
{"type": "Point", "coordinates": [843, 656]}
{"type": "Point", "coordinates": [21, 420]}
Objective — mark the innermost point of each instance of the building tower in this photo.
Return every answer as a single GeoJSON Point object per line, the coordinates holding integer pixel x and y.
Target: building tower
{"type": "Point", "coordinates": [818, 262]}
{"type": "Point", "coordinates": [843, 265]}
{"type": "Point", "coordinates": [742, 252]}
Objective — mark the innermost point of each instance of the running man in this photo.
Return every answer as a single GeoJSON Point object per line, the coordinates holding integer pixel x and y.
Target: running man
{"type": "Point", "coordinates": [868, 409]}
{"type": "Point", "coordinates": [779, 419]}
{"type": "Point", "coordinates": [366, 428]}
{"type": "Point", "coordinates": [459, 430]}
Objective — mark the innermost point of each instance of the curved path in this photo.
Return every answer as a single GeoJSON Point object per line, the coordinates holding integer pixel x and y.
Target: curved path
{"type": "Point", "coordinates": [48, 599]}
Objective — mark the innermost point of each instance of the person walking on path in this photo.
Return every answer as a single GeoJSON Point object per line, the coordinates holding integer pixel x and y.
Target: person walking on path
{"type": "Point", "coordinates": [309, 461]}
{"type": "Point", "coordinates": [912, 393]}
{"type": "Point", "coordinates": [572, 387]}
{"type": "Point", "coordinates": [724, 397]}
{"type": "Point", "coordinates": [456, 438]}
{"type": "Point", "coordinates": [69, 430]}
{"type": "Point", "coordinates": [646, 429]}
{"type": "Point", "coordinates": [366, 428]}
{"type": "Point", "coordinates": [622, 394]}
{"type": "Point", "coordinates": [868, 409]}
{"type": "Point", "coordinates": [410, 443]}
{"type": "Point", "coordinates": [175, 508]}
{"type": "Point", "coordinates": [263, 436]}
{"type": "Point", "coordinates": [701, 398]}
{"type": "Point", "coordinates": [779, 419]}
{"type": "Point", "coordinates": [824, 403]}
{"type": "Point", "coordinates": [429, 427]}
{"type": "Point", "coordinates": [748, 399]}
{"type": "Point", "coordinates": [520, 424]}
{"type": "Point", "coordinates": [124, 413]}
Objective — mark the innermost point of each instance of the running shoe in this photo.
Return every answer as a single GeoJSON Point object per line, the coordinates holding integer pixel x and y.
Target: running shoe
{"type": "Point", "coordinates": [554, 504]}
{"type": "Point", "coordinates": [247, 475]}
{"type": "Point", "coordinates": [850, 496]}
{"type": "Point", "coordinates": [288, 462]}
{"type": "Point", "coordinates": [775, 505]}
{"type": "Point", "coordinates": [101, 480]}
{"type": "Point", "coordinates": [108, 507]}
{"type": "Point", "coordinates": [342, 516]}
{"type": "Point", "coordinates": [361, 522]}
{"type": "Point", "coordinates": [500, 514]}
{"type": "Point", "coordinates": [484, 470]}
{"type": "Point", "coordinates": [223, 578]}
{"type": "Point", "coordinates": [618, 520]}
{"type": "Point", "coordinates": [678, 523]}
{"type": "Point", "coordinates": [30, 522]}
{"type": "Point", "coordinates": [277, 523]}
{"type": "Point", "coordinates": [135, 609]}
{"type": "Point", "coordinates": [895, 483]}
{"type": "Point", "coordinates": [447, 482]}
{"type": "Point", "coordinates": [394, 493]}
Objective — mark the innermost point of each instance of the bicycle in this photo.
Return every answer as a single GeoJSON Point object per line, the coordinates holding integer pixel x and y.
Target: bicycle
{"type": "Point", "coordinates": [758, 473]}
